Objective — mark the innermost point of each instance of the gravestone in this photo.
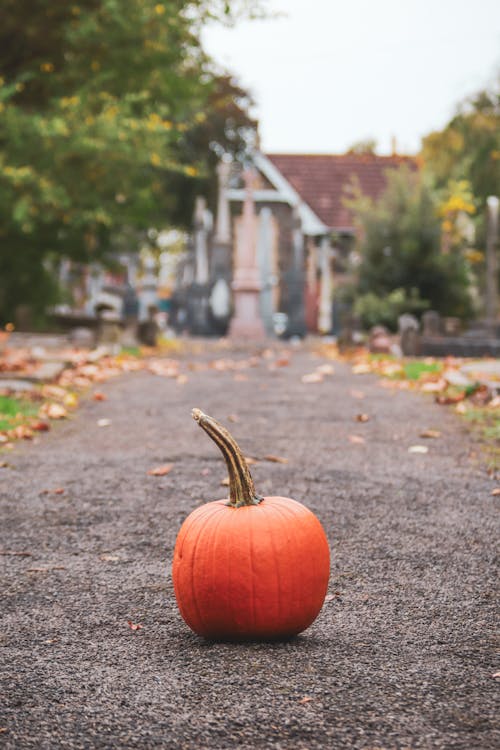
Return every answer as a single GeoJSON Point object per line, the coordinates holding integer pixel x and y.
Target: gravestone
{"type": "Point", "coordinates": [431, 323]}
{"type": "Point", "coordinates": [408, 327]}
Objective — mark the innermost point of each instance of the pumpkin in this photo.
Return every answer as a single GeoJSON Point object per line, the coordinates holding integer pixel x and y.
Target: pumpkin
{"type": "Point", "coordinates": [249, 567]}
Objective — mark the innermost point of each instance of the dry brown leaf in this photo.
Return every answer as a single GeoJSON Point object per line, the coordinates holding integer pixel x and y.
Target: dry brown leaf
{"type": "Point", "coordinates": [40, 426]}
{"type": "Point", "coordinates": [135, 626]}
{"type": "Point", "coordinates": [418, 449]}
{"type": "Point", "coordinates": [161, 471]}
{"type": "Point", "coordinates": [430, 434]}
{"type": "Point", "coordinates": [233, 418]}
{"type": "Point", "coordinates": [305, 699]}
{"type": "Point", "coordinates": [461, 408]}
{"type": "Point", "coordinates": [312, 377]}
{"type": "Point", "coordinates": [356, 439]}
{"type": "Point", "coordinates": [361, 369]}
{"type": "Point", "coordinates": [362, 417]}
{"type": "Point", "coordinates": [326, 369]}
{"type": "Point", "coordinates": [99, 396]}
{"type": "Point", "coordinates": [496, 491]}
{"type": "Point", "coordinates": [53, 411]}
{"type": "Point", "coordinates": [276, 459]}
{"type": "Point", "coordinates": [182, 379]}
{"type": "Point", "coordinates": [225, 482]}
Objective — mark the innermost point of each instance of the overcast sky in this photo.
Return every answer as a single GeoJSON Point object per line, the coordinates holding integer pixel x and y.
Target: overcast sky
{"type": "Point", "coordinates": [334, 72]}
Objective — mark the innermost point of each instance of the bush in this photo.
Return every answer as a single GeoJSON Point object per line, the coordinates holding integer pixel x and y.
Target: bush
{"type": "Point", "coordinates": [377, 310]}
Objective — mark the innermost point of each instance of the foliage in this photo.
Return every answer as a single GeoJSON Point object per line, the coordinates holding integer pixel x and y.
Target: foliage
{"type": "Point", "coordinates": [468, 148]}
{"type": "Point", "coordinates": [385, 310]}
{"type": "Point", "coordinates": [102, 104]}
{"type": "Point", "coordinates": [399, 246]}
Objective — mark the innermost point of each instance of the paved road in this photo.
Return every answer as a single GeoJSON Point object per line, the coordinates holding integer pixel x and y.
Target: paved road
{"type": "Point", "coordinates": [401, 654]}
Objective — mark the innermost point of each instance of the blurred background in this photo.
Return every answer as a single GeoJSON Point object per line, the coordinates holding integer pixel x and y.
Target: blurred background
{"type": "Point", "coordinates": [253, 168]}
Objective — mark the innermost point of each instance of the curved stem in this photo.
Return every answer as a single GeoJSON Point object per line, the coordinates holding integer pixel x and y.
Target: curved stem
{"type": "Point", "coordinates": [241, 487]}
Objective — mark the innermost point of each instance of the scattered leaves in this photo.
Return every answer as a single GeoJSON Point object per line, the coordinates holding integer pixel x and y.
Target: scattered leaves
{"type": "Point", "coordinates": [430, 434]}
{"type": "Point", "coordinates": [135, 625]}
{"type": "Point", "coordinates": [418, 449]}
{"type": "Point", "coordinates": [356, 439]}
{"type": "Point", "coordinates": [53, 411]}
{"type": "Point", "coordinates": [161, 471]}
{"type": "Point", "coordinates": [362, 417]}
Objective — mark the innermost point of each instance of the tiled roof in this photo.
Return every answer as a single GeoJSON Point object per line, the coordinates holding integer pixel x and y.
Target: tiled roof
{"type": "Point", "coordinates": [321, 179]}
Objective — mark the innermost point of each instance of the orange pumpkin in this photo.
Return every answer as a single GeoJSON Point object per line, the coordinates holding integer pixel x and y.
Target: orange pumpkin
{"type": "Point", "coordinates": [249, 567]}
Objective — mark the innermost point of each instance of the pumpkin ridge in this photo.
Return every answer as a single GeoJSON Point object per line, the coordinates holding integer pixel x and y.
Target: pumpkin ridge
{"type": "Point", "coordinates": [213, 540]}
{"type": "Point", "coordinates": [192, 572]}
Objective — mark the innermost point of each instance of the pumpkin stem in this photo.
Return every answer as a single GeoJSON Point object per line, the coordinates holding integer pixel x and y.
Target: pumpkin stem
{"type": "Point", "coordinates": [241, 487]}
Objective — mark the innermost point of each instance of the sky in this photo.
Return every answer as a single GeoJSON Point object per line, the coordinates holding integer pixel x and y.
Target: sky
{"type": "Point", "coordinates": [330, 73]}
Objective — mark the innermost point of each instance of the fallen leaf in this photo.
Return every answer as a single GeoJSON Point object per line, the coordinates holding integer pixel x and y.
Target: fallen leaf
{"type": "Point", "coordinates": [3, 439]}
{"type": "Point", "coordinates": [461, 408]}
{"type": "Point", "coordinates": [496, 491]}
{"type": "Point", "coordinates": [313, 377]}
{"type": "Point", "coordinates": [182, 379]}
{"type": "Point", "coordinates": [99, 396]}
{"type": "Point", "coordinates": [305, 699]}
{"type": "Point", "coordinates": [362, 417]}
{"type": "Point", "coordinates": [356, 439]}
{"type": "Point", "coordinates": [225, 482]}
{"type": "Point", "coordinates": [22, 432]}
{"type": "Point", "coordinates": [418, 449]}
{"type": "Point", "coordinates": [250, 461]}
{"type": "Point", "coordinates": [40, 426]}
{"type": "Point", "coordinates": [282, 362]}
{"type": "Point", "coordinates": [160, 471]}
{"type": "Point", "coordinates": [103, 422]}
{"type": "Point", "coordinates": [53, 411]}
{"type": "Point", "coordinates": [430, 434]}
{"type": "Point", "coordinates": [326, 369]}
{"type": "Point", "coordinates": [71, 400]}
{"type": "Point", "coordinates": [361, 369]}
{"type": "Point", "coordinates": [109, 558]}
{"type": "Point", "coordinates": [134, 626]}
{"type": "Point", "coordinates": [233, 418]}
{"type": "Point", "coordinates": [276, 459]}
{"type": "Point", "coordinates": [496, 675]}
{"type": "Point", "coordinates": [445, 400]}
{"type": "Point", "coordinates": [494, 403]}
{"type": "Point", "coordinates": [433, 386]}
{"type": "Point", "coordinates": [5, 465]}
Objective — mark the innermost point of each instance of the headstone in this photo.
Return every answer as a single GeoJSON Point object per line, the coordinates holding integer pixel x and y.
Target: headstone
{"type": "Point", "coordinates": [431, 323]}
{"type": "Point", "coordinates": [379, 341]}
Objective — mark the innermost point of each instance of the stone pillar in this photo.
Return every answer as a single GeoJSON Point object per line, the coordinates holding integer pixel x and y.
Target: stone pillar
{"type": "Point", "coordinates": [296, 282]}
{"type": "Point", "coordinates": [246, 322]}
{"type": "Point", "coordinates": [325, 292]}
{"type": "Point", "coordinates": [199, 290]}
{"type": "Point", "coordinates": [220, 265]}
{"type": "Point", "coordinates": [265, 248]}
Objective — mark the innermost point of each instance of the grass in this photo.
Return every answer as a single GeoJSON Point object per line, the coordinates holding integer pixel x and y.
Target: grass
{"type": "Point", "coordinates": [13, 411]}
{"type": "Point", "coordinates": [415, 368]}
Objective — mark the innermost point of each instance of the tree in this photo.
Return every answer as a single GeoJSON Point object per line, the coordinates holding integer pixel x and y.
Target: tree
{"type": "Point", "coordinates": [468, 148]}
{"type": "Point", "coordinates": [101, 106]}
{"type": "Point", "coordinates": [400, 249]}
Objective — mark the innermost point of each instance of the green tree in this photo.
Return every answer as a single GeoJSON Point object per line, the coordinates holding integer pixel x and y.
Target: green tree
{"type": "Point", "coordinates": [400, 249]}
{"type": "Point", "coordinates": [468, 148]}
{"type": "Point", "coordinates": [101, 102]}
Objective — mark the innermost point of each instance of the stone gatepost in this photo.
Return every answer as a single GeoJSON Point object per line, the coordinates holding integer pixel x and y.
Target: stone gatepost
{"type": "Point", "coordinates": [199, 291]}
{"type": "Point", "coordinates": [325, 292]}
{"type": "Point", "coordinates": [247, 322]}
{"type": "Point", "coordinates": [295, 281]}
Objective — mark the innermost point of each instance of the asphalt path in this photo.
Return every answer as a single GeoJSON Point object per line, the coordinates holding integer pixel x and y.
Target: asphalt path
{"type": "Point", "coordinates": [402, 653]}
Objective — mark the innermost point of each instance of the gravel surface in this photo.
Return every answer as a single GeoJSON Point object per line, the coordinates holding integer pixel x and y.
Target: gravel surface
{"type": "Point", "coordinates": [401, 655]}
